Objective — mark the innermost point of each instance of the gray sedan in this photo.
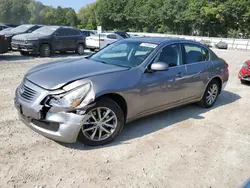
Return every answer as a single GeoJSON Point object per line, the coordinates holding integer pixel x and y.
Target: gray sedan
{"type": "Point", "coordinates": [91, 99]}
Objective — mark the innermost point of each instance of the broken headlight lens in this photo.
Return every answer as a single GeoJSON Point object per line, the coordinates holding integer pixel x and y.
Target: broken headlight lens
{"type": "Point", "coordinates": [72, 99]}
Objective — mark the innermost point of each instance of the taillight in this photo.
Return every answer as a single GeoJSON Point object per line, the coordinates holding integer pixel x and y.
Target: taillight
{"type": "Point", "coordinates": [3, 37]}
{"type": "Point", "coordinates": [227, 65]}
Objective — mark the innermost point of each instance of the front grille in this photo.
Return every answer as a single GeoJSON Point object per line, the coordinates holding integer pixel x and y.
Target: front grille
{"type": "Point", "coordinates": [27, 93]}
{"type": "Point", "coordinates": [20, 41]}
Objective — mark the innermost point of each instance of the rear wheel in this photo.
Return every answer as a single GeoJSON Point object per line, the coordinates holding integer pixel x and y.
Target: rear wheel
{"type": "Point", "coordinates": [45, 50]}
{"type": "Point", "coordinates": [24, 53]}
{"type": "Point", "coordinates": [80, 49]}
{"type": "Point", "coordinates": [105, 122]}
{"type": "Point", "coordinates": [211, 94]}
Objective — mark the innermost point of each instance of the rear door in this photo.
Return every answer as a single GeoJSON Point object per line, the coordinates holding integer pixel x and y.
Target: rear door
{"type": "Point", "coordinates": [199, 68]}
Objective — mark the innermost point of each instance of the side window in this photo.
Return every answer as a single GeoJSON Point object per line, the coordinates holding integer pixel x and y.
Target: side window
{"type": "Point", "coordinates": [194, 53]}
{"type": "Point", "coordinates": [170, 54]}
{"type": "Point", "coordinates": [72, 32]}
{"type": "Point", "coordinates": [34, 28]}
{"type": "Point", "coordinates": [112, 36]}
{"type": "Point", "coordinates": [62, 33]}
{"type": "Point", "coordinates": [85, 33]}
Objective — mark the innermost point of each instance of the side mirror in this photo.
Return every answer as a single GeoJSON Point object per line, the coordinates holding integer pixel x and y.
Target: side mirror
{"type": "Point", "coordinates": [159, 66]}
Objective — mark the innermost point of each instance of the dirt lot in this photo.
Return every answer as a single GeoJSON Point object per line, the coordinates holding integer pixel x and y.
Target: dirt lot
{"type": "Point", "coordinates": [185, 147]}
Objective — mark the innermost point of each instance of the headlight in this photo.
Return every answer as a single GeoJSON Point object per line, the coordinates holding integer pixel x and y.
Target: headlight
{"type": "Point", "coordinates": [72, 99]}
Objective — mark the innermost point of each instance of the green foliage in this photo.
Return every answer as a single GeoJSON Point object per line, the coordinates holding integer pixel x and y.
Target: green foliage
{"type": "Point", "coordinates": [224, 18]}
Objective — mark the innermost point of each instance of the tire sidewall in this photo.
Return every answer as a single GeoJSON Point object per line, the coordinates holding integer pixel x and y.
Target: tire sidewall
{"type": "Point", "coordinates": [42, 50]}
{"type": "Point", "coordinates": [204, 101]}
{"type": "Point", "coordinates": [109, 103]}
{"type": "Point", "coordinates": [78, 51]}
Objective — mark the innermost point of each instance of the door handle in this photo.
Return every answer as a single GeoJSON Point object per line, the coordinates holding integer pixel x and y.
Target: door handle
{"type": "Point", "coordinates": [180, 74]}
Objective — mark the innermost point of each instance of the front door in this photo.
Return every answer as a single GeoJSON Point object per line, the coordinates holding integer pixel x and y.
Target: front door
{"type": "Point", "coordinates": [58, 40]}
{"type": "Point", "coordinates": [163, 89]}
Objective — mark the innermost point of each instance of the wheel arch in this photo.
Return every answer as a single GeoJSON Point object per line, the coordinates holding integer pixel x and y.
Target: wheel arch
{"type": "Point", "coordinates": [219, 79]}
{"type": "Point", "coordinates": [119, 100]}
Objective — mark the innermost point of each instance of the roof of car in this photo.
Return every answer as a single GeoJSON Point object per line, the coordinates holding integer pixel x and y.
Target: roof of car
{"type": "Point", "coordinates": [58, 26]}
{"type": "Point", "coordinates": [156, 40]}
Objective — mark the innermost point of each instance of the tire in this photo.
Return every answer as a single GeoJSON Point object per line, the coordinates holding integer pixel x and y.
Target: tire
{"type": "Point", "coordinates": [80, 49]}
{"type": "Point", "coordinates": [243, 81]}
{"type": "Point", "coordinates": [45, 50]}
{"type": "Point", "coordinates": [24, 53]}
{"type": "Point", "coordinates": [205, 103]}
{"type": "Point", "coordinates": [102, 104]}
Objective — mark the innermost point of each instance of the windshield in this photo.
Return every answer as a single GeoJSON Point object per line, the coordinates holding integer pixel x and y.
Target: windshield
{"type": "Point", "coordinates": [45, 30]}
{"type": "Point", "coordinates": [124, 53]}
{"type": "Point", "coordinates": [21, 28]}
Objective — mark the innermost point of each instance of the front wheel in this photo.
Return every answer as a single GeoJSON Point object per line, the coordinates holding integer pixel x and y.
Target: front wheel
{"type": "Point", "coordinates": [45, 50]}
{"type": "Point", "coordinates": [105, 121]}
{"type": "Point", "coordinates": [80, 49]}
{"type": "Point", "coordinates": [211, 94]}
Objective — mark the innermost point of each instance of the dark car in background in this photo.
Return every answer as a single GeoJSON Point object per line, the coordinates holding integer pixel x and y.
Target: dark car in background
{"type": "Point", "coordinates": [4, 31]}
{"type": "Point", "coordinates": [49, 39]}
{"type": "Point", "coordinates": [3, 26]}
{"type": "Point", "coordinates": [3, 44]}
{"type": "Point", "coordinates": [25, 28]}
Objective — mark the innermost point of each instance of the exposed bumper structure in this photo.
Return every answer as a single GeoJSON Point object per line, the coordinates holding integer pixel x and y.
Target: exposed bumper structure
{"type": "Point", "coordinates": [57, 125]}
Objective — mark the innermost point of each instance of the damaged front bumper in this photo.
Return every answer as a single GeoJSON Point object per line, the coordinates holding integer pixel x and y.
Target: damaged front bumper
{"type": "Point", "coordinates": [53, 123]}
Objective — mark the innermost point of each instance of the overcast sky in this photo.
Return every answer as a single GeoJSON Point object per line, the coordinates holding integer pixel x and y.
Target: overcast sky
{"type": "Point", "coordinates": [75, 4]}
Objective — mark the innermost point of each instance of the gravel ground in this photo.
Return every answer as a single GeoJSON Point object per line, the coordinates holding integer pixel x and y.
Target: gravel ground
{"type": "Point", "coordinates": [185, 147]}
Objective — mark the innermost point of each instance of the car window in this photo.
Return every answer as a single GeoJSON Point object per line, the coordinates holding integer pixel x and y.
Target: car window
{"type": "Point", "coordinates": [124, 53]}
{"type": "Point", "coordinates": [112, 36]}
{"type": "Point", "coordinates": [194, 54]}
{"type": "Point", "coordinates": [33, 28]}
{"type": "Point", "coordinates": [86, 33]}
{"type": "Point", "coordinates": [72, 32]}
{"type": "Point", "coordinates": [171, 54]}
{"type": "Point", "coordinates": [62, 32]}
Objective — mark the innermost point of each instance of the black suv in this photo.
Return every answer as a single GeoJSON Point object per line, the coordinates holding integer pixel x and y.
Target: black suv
{"type": "Point", "coordinates": [25, 28]}
{"type": "Point", "coordinates": [49, 39]}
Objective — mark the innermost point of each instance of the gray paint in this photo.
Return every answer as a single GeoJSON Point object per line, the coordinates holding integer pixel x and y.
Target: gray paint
{"type": "Point", "coordinates": [144, 92]}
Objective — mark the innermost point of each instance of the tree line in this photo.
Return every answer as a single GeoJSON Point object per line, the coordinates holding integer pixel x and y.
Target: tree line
{"type": "Point", "coordinates": [218, 18]}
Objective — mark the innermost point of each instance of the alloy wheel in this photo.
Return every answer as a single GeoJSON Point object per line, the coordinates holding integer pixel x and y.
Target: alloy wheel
{"type": "Point", "coordinates": [80, 49]}
{"type": "Point", "coordinates": [47, 51]}
{"type": "Point", "coordinates": [212, 94]}
{"type": "Point", "coordinates": [100, 125]}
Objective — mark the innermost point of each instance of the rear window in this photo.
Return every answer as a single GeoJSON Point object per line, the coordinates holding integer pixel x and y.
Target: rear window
{"type": "Point", "coordinates": [195, 53]}
{"type": "Point", "coordinates": [72, 32]}
{"type": "Point", "coordinates": [112, 36]}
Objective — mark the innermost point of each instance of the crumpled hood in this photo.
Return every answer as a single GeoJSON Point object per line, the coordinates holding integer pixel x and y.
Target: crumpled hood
{"type": "Point", "coordinates": [54, 75]}
{"type": "Point", "coordinates": [28, 36]}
